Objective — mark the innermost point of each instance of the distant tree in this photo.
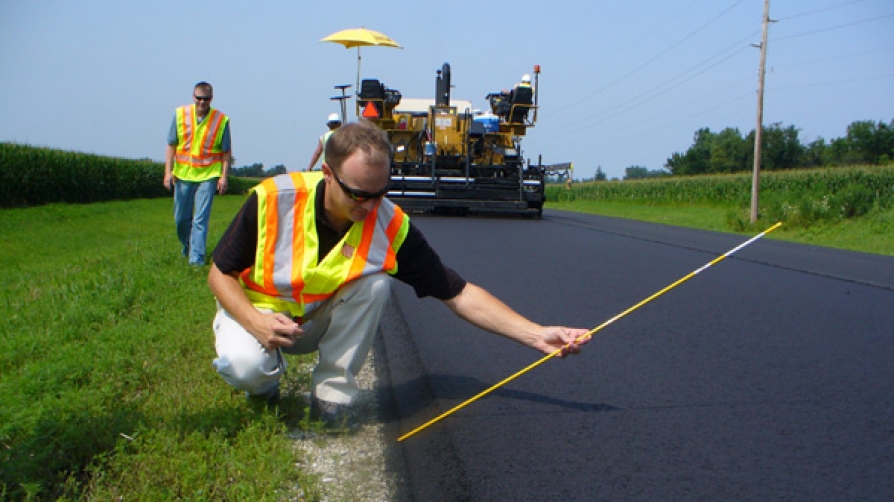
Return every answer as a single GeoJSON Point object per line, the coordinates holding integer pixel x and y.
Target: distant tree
{"type": "Point", "coordinates": [640, 172]}
{"type": "Point", "coordinates": [869, 142]}
{"type": "Point", "coordinates": [255, 170]}
{"type": "Point", "coordinates": [816, 154]}
{"type": "Point", "coordinates": [866, 142]}
{"type": "Point", "coordinates": [676, 164]}
{"type": "Point", "coordinates": [600, 176]}
{"type": "Point", "coordinates": [781, 149]}
{"type": "Point", "coordinates": [729, 152]}
{"type": "Point", "coordinates": [838, 152]}
{"type": "Point", "coordinates": [636, 173]}
{"type": "Point", "coordinates": [696, 160]}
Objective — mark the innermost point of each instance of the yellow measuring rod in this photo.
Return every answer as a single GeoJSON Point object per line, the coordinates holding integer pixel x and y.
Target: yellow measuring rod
{"type": "Point", "coordinates": [588, 334]}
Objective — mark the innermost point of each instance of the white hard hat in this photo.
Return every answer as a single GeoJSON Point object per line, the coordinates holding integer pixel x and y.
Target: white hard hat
{"type": "Point", "coordinates": [526, 78]}
{"type": "Point", "coordinates": [333, 117]}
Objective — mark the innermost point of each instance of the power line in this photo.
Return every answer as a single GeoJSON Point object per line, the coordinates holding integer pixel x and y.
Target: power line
{"type": "Point", "coordinates": [817, 11]}
{"type": "Point", "coordinates": [849, 55]}
{"type": "Point", "coordinates": [832, 82]}
{"type": "Point", "coordinates": [833, 28]}
{"type": "Point", "coordinates": [642, 99]}
{"type": "Point", "coordinates": [658, 90]}
{"type": "Point", "coordinates": [649, 61]}
{"type": "Point", "coordinates": [589, 120]}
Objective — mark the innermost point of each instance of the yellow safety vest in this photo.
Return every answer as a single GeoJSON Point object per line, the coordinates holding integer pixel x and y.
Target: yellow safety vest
{"type": "Point", "coordinates": [198, 156]}
{"type": "Point", "coordinates": [287, 274]}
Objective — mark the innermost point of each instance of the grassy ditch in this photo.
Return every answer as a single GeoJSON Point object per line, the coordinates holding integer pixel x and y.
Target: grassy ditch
{"type": "Point", "coordinates": [848, 208]}
{"type": "Point", "coordinates": [106, 385]}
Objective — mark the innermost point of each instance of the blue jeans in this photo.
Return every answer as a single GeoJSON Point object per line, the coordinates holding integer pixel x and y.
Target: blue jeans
{"type": "Point", "coordinates": [192, 210]}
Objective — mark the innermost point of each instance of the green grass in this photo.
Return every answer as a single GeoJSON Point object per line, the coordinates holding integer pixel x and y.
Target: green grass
{"type": "Point", "coordinates": [106, 385]}
{"type": "Point", "coordinates": [871, 233]}
{"type": "Point", "coordinates": [845, 207]}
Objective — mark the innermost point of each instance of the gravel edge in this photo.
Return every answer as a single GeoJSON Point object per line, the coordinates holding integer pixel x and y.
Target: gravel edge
{"type": "Point", "coordinates": [351, 467]}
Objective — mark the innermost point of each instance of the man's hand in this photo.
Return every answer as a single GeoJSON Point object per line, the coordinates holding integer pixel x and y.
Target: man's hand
{"type": "Point", "coordinates": [276, 330]}
{"type": "Point", "coordinates": [477, 306]}
{"type": "Point", "coordinates": [569, 340]}
{"type": "Point", "coordinates": [272, 330]}
{"type": "Point", "coordinates": [170, 153]}
{"type": "Point", "coordinates": [222, 185]}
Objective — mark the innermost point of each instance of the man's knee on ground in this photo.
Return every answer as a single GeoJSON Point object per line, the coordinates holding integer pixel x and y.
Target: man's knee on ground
{"type": "Point", "coordinates": [247, 371]}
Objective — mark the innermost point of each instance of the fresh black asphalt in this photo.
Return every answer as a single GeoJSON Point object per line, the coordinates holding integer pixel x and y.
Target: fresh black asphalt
{"type": "Point", "coordinates": [770, 376]}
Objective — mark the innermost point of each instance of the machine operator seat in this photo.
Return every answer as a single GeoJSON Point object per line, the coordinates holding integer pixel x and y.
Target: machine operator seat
{"type": "Point", "coordinates": [372, 91]}
{"type": "Point", "coordinates": [499, 104]}
{"type": "Point", "coordinates": [521, 100]}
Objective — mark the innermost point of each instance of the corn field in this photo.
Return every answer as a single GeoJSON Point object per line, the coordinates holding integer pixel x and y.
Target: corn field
{"type": "Point", "coordinates": [31, 176]}
{"type": "Point", "coordinates": [733, 188]}
{"type": "Point", "coordinates": [799, 197]}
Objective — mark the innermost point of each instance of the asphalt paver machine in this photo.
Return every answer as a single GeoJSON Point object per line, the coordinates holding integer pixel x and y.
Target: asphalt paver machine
{"type": "Point", "coordinates": [449, 157]}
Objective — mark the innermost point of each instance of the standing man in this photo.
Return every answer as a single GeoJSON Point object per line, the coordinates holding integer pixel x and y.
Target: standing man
{"type": "Point", "coordinates": [333, 123]}
{"type": "Point", "coordinates": [197, 163]}
{"type": "Point", "coordinates": [306, 266]}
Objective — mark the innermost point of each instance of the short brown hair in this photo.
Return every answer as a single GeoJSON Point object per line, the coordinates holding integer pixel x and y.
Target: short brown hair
{"type": "Point", "coordinates": [363, 135]}
{"type": "Point", "coordinates": [204, 86]}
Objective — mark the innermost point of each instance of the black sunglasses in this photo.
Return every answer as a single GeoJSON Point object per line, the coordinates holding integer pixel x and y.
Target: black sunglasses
{"type": "Point", "coordinates": [359, 195]}
{"type": "Point", "coordinates": [203, 98]}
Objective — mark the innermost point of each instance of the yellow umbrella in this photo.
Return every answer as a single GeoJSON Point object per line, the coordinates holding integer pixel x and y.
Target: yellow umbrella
{"type": "Point", "coordinates": [359, 37]}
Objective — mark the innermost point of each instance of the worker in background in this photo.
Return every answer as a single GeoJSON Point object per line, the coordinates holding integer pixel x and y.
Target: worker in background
{"type": "Point", "coordinates": [501, 102]}
{"type": "Point", "coordinates": [307, 265]}
{"type": "Point", "coordinates": [333, 123]}
{"type": "Point", "coordinates": [197, 163]}
{"type": "Point", "coordinates": [525, 81]}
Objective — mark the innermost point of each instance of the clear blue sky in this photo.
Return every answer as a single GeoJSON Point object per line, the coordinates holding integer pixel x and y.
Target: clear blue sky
{"type": "Point", "coordinates": [623, 83]}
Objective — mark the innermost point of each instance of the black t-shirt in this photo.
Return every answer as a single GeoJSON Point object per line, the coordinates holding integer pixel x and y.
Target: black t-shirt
{"type": "Point", "coordinates": [417, 263]}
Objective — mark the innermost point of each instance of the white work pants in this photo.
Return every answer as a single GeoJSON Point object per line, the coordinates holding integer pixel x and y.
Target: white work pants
{"type": "Point", "coordinates": [342, 331]}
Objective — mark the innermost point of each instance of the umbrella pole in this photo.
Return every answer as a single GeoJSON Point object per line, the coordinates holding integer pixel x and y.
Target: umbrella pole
{"type": "Point", "coordinates": [357, 89]}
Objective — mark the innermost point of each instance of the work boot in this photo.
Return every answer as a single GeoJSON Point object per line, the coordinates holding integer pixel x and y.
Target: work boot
{"type": "Point", "coordinates": [269, 399]}
{"type": "Point", "coordinates": [336, 416]}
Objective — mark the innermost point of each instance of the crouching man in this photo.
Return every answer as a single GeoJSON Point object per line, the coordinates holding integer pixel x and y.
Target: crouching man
{"type": "Point", "coordinates": [306, 265]}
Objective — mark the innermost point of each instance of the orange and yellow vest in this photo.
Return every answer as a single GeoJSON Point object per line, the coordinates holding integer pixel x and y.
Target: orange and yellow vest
{"type": "Point", "coordinates": [198, 156]}
{"type": "Point", "coordinates": [287, 274]}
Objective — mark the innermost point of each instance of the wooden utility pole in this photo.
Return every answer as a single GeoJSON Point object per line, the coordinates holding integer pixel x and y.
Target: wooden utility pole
{"type": "Point", "coordinates": [758, 131]}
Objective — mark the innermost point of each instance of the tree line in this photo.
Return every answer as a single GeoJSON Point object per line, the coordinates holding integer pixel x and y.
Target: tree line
{"type": "Point", "coordinates": [865, 143]}
{"type": "Point", "coordinates": [257, 170]}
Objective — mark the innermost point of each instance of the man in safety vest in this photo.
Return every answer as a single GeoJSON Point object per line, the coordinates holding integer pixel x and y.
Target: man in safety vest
{"type": "Point", "coordinates": [197, 163]}
{"type": "Point", "coordinates": [333, 123]}
{"type": "Point", "coordinates": [306, 265]}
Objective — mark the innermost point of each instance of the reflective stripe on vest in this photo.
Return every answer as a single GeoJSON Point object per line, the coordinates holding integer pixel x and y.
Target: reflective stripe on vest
{"type": "Point", "coordinates": [287, 275]}
{"type": "Point", "coordinates": [198, 156]}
